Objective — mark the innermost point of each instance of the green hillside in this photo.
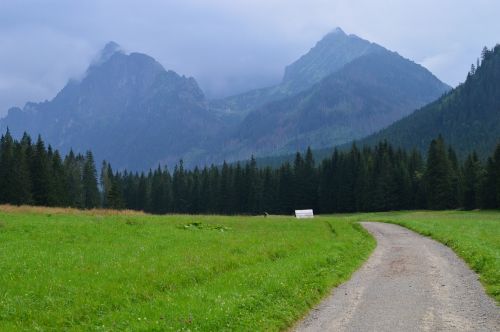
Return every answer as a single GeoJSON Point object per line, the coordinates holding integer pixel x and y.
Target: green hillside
{"type": "Point", "coordinates": [468, 117]}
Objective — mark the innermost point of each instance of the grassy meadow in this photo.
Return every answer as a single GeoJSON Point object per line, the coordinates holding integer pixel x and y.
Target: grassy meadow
{"type": "Point", "coordinates": [103, 270]}
{"type": "Point", "coordinates": [473, 235]}
{"type": "Point", "coordinates": [63, 269]}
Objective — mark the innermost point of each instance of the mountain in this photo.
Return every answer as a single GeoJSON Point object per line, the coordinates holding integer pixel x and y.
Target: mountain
{"type": "Point", "coordinates": [134, 113]}
{"type": "Point", "coordinates": [330, 54]}
{"type": "Point", "coordinates": [468, 117]}
{"type": "Point", "coordinates": [127, 109]}
{"type": "Point", "coordinates": [365, 95]}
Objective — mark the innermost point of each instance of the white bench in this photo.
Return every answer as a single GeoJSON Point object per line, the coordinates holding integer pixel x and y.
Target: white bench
{"type": "Point", "coordinates": [304, 214]}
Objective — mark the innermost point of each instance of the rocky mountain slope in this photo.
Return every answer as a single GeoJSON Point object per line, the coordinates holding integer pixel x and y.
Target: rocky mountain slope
{"type": "Point", "coordinates": [135, 114]}
{"type": "Point", "coordinates": [127, 109]}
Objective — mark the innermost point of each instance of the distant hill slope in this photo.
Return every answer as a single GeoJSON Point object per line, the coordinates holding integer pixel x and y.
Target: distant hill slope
{"type": "Point", "coordinates": [127, 109]}
{"type": "Point", "coordinates": [331, 53]}
{"type": "Point", "coordinates": [468, 117]}
{"type": "Point", "coordinates": [367, 94]}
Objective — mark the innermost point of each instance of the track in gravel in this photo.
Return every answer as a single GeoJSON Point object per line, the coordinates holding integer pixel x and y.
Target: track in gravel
{"type": "Point", "coordinates": [410, 283]}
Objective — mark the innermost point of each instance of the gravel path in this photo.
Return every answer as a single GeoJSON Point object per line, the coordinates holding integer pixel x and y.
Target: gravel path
{"type": "Point", "coordinates": [410, 283]}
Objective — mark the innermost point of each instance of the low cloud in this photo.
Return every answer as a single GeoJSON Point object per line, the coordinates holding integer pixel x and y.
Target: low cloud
{"type": "Point", "coordinates": [228, 46]}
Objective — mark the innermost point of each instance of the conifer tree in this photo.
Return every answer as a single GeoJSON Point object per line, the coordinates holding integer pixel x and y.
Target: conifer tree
{"type": "Point", "coordinates": [416, 169]}
{"type": "Point", "coordinates": [205, 192]}
{"type": "Point", "coordinates": [105, 182]}
{"type": "Point", "coordinates": [7, 169]}
{"type": "Point", "coordinates": [456, 176]}
{"type": "Point", "coordinates": [180, 190]}
{"type": "Point", "coordinates": [196, 205]}
{"type": "Point", "coordinates": [254, 189]}
{"type": "Point", "coordinates": [89, 181]}
{"type": "Point", "coordinates": [40, 174]}
{"type": "Point", "coordinates": [22, 178]}
{"type": "Point", "coordinates": [298, 182]}
{"type": "Point", "coordinates": [226, 198]}
{"type": "Point", "coordinates": [488, 186]}
{"type": "Point", "coordinates": [213, 198]}
{"type": "Point", "coordinates": [58, 182]}
{"type": "Point", "coordinates": [269, 190]}
{"type": "Point", "coordinates": [309, 180]}
{"type": "Point", "coordinates": [384, 183]}
{"type": "Point", "coordinates": [496, 174]}
{"type": "Point", "coordinates": [73, 166]}
{"type": "Point", "coordinates": [439, 177]}
{"type": "Point", "coordinates": [115, 198]}
{"type": "Point", "coordinates": [142, 196]}
{"type": "Point", "coordinates": [286, 189]}
{"type": "Point", "coordinates": [158, 192]}
{"type": "Point", "coordinates": [473, 174]}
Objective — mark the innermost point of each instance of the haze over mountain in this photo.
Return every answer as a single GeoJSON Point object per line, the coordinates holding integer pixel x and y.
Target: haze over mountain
{"type": "Point", "coordinates": [132, 112]}
{"type": "Point", "coordinates": [330, 54]}
{"type": "Point", "coordinates": [127, 109]}
{"type": "Point", "coordinates": [468, 117]}
{"type": "Point", "coordinates": [345, 88]}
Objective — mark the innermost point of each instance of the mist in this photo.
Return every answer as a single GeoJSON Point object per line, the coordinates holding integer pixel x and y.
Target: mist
{"type": "Point", "coordinates": [228, 46]}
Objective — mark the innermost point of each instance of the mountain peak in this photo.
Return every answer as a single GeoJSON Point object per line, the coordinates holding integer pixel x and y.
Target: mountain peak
{"type": "Point", "coordinates": [111, 47]}
{"type": "Point", "coordinates": [337, 31]}
{"type": "Point", "coordinates": [107, 52]}
{"type": "Point", "coordinates": [331, 53]}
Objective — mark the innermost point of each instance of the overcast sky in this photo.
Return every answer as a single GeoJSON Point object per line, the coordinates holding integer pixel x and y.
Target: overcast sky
{"type": "Point", "coordinates": [227, 45]}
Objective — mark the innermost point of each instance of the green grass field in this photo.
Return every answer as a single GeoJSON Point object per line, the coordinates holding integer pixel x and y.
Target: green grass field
{"type": "Point", "coordinates": [68, 270]}
{"type": "Point", "coordinates": [473, 235]}
{"type": "Point", "coordinates": [101, 270]}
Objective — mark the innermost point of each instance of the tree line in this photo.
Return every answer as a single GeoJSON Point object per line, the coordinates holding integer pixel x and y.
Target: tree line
{"type": "Point", "coordinates": [32, 174]}
{"type": "Point", "coordinates": [381, 178]}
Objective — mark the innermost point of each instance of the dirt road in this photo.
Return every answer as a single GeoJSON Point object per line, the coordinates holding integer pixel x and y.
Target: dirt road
{"type": "Point", "coordinates": [410, 283]}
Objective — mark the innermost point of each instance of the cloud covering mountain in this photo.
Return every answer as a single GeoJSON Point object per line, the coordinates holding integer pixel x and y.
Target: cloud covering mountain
{"type": "Point", "coordinates": [229, 46]}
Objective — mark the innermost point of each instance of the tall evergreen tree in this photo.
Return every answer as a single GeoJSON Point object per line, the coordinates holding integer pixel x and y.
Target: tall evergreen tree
{"type": "Point", "coordinates": [456, 176]}
{"type": "Point", "coordinates": [269, 191]}
{"type": "Point", "coordinates": [496, 174]}
{"type": "Point", "coordinates": [286, 189]}
{"type": "Point", "coordinates": [7, 169]}
{"type": "Point", "coordinates": [115, 198]}
{"type": "Point", "coordinates": [142, 196]}
{"type": "Point", "coordinates": [226, 203]}
{"type": "Point", "coordinates": [58, 185]}
{"type": "Point", "coordinates": [40, 174]}
{"type": "Point", "coordinates": [439, 172]}
{"type": "Point", "coordinates": [254, 187]}
{"type": "Point", "coordinates": [473, 177]}
{"type": "Point", "coordinates": [21, 188]}
{"type": "Point", "coordinates": [89, 182]}
{"type": "Point", "coordinates": [105, 183]}
{"type": "Point", "coordinates": [158, 192]}
{"type": "Point", "coordinates": [180, 189]}
{"type": "Point", "coordinates": [196, 204]}
{"type": "Point", "coordinates": [488, 187]}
